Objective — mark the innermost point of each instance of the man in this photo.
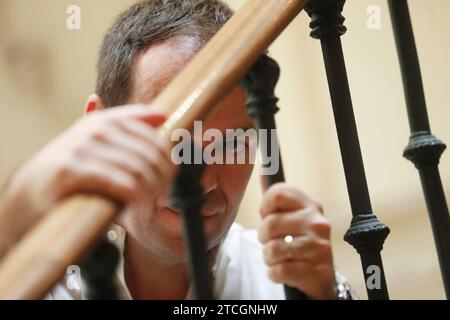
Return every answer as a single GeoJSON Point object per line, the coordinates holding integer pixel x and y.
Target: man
{"type": "Point", "coordinates": [117, 152]}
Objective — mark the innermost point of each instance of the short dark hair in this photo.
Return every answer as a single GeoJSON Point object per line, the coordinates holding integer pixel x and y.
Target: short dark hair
{"type": "Point", "coordinates": [147, 23]}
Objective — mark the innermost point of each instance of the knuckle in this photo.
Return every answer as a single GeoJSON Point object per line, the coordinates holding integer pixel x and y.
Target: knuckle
{"type": "Point", "coordinates": [323, 247]}
{"type": "Point", "coordinates": [134, 186]}
{"type": "Point", "coordinates": [271, 224]}
{"type": "Point", "coordinates": [138, 176]}
{"type": "Point", "coordinates": [278, 272]}
{"type": "Point", "coordinates": [129, 190]}
{"type": "Point", "coordinates": [65, 171]}
{"type": "Point", "coordinates": [99, 133]}
{"type": "Point", "coordinates": [322, 227]}
{"type": "Point", "coordinates": [164, 149]}
{"type": "Point", "coordinates": [137, 170]}
{"type": "Point", "coordinates": [79, 151]}
{"type": "Point", "coordinates": [273, 249]}
{"type": "Point", "coordinates": [322, 270]}
{"type": "Point", "coordinates": [156, 157]}
{"type": "Point", "coordinates": [151, 154]}
{"type": "Point", "coordinates": [279, 195]}
{"type": "Point", "coordinates": [261, 234]}
{"type": "Point", "coordinates": [273, 274]}
{"type": "Point", "coordinates": [316, 204]}
{"type": "Point", "coordinates": [100, 128]}
{"type": "Point", "coordinates": [151, 131]}
{"type": "Point", "coordinates": [157, 167]}
{"type": "Point", "coordinates": [267, 255]}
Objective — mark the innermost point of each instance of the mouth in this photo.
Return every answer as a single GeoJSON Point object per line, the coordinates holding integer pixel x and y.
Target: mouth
{"type": "Point", "coordinates": [205, 212]}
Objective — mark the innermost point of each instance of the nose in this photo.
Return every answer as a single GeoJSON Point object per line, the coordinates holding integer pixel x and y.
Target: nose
{"type": "Point", "coordinates": [209, 180]}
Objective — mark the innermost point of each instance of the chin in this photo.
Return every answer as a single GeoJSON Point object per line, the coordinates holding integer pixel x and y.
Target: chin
{"type": "Point", "coordinates": [171, 224]}
{"type": "Point", "coordinates": [165, 235]}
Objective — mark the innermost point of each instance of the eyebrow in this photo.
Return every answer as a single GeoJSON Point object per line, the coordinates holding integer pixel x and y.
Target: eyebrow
{"type": "Point", "coordinates": [239, 127]}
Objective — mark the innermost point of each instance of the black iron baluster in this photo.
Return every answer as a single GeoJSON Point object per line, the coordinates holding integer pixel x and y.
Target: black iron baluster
{"type": "Point", "coordinates": [423, 149]}
{"type": "Point", "coordinates": [187, 196]}
{"type": "Point", "coordinates": [98, 272]}
{"type": "Point", "coordinates": [259, 84]}
{"type": "Point", "coordinates": [366, 233]}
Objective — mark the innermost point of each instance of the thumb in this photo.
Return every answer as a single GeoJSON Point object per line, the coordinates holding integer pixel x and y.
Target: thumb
{"type": "Point", "coordinates": [152, 116]}
{"type": "Point", "coordinates": [148, 114]}
{"type": "Point", "coordinates": [155, 119]}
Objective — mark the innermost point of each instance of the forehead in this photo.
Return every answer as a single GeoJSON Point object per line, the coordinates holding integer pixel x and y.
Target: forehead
{"type": "Point", "coordinates": [160, 63]}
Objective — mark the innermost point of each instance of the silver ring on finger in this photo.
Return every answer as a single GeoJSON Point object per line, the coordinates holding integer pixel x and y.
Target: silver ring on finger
{"type": "Point", "coordinates": [289, 250]}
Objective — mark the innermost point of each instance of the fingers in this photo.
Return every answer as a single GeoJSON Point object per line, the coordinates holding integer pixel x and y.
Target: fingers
{"type": "Point", "coordinates": [281, 198]}
{"type": "Point", "coordinates": [147, 133]}
{"type": "Point", "coordinates": [317, 281]}
{"type": "Point", "coordinates": [150, 150]}
{"type": "Point", "coordinates": [306, 262]}
{"type": "Point", "coordinates": [152, 147]}
{"type": "Point", "coordinates": [302, 249]}
{"type": "Point", "coordinates": [117, 152]}
{"type": "Point", "coordinates": [138, 167]}
{"type": "Point", "coordinates": [148, 114]}
{"type": "Point", "coordinates": [120, 152]}
{"type": "Point", "coordinates": [102, 178]}
{"type": "Point", "coordinates": [304, 222]}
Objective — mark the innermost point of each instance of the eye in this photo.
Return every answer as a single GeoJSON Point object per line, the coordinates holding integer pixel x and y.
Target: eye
{"type": "Point", "coordinates": [239, 144]}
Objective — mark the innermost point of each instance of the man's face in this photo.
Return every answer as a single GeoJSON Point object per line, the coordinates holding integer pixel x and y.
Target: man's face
{"type": "Point", "coordinates": [159, 228]}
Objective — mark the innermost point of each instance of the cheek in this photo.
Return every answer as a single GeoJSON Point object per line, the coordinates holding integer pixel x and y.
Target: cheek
{"type": "Point", "coordinates": [234, 182]}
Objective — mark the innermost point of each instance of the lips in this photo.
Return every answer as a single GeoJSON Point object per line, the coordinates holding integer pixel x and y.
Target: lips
{"type": "Point", "coordinates": [205, 211]}
{"type": "Point", "coordinates": [215, 204]}
{"type": "Point", "coordinates": [208, 213]}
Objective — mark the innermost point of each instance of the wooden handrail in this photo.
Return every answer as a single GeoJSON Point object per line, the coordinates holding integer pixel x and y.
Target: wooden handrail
{"type": "Point", "coordinates": [63, 236]}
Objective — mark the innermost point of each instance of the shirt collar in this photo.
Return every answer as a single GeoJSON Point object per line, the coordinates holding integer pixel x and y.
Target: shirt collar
{"type": "Point", "coordinates": [117, 235]}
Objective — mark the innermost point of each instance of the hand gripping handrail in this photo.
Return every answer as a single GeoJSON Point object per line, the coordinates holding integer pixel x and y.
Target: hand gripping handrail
{"type": "Point", "coordinates": [69, 231]}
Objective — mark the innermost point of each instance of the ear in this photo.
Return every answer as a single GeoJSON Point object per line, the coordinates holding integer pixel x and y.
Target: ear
{"type": "Point", "coordinates": [94, 103]}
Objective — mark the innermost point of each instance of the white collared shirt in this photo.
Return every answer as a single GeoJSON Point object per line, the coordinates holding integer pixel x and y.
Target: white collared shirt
{"type": "Point", "coordinates": [239, 272]}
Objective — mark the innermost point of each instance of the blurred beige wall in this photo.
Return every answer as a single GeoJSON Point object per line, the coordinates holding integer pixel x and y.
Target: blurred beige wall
{"type": "Point", "coordinates": [47, 72]}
